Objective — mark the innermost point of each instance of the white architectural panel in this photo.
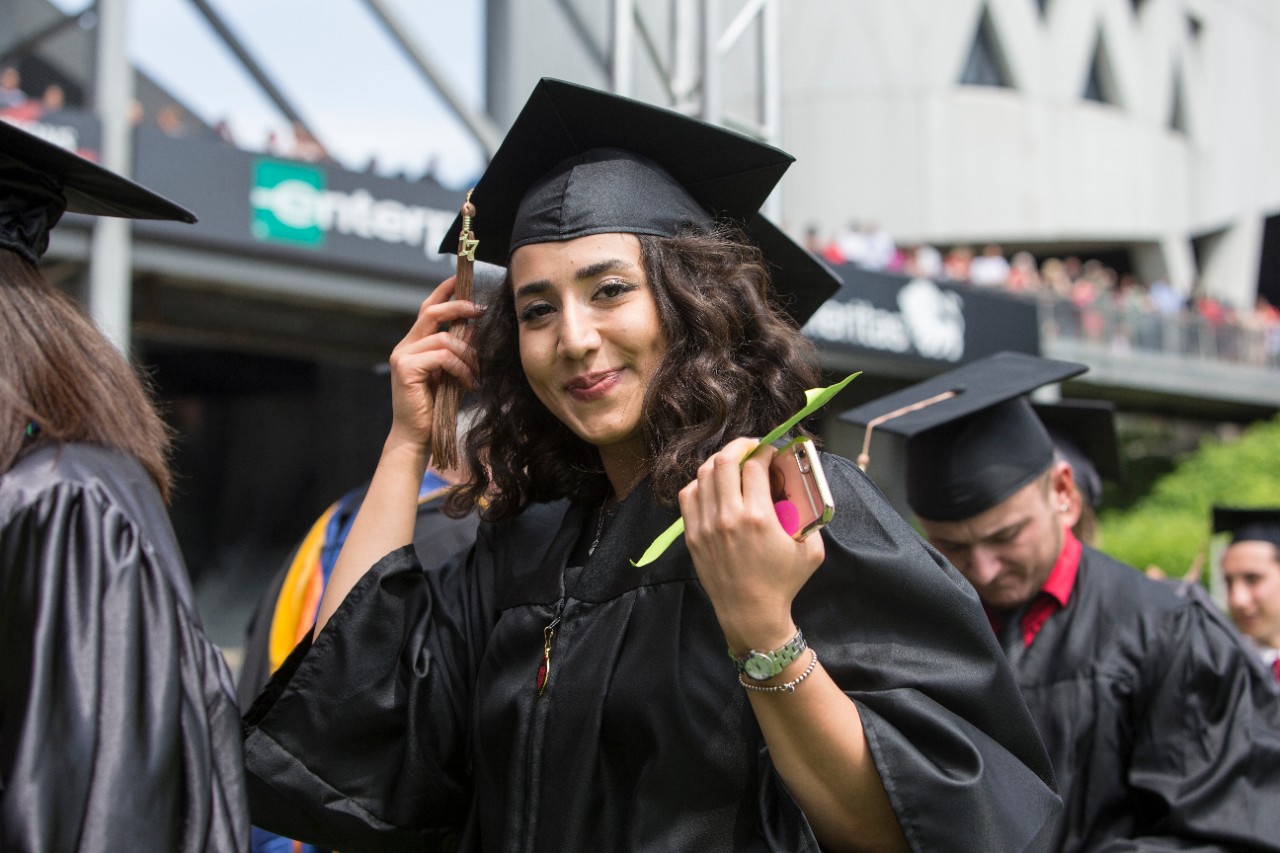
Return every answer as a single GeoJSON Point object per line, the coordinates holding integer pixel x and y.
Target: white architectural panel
{"type": "Point", "coordinates": [883, 130]}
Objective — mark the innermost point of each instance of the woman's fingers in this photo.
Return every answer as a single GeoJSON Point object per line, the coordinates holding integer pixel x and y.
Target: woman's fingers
{"type": "Point", "coordinates": [720, 500]}
{"type": "Point", "coordinates": [439, 308]}
{"type": "Point", "coordinates": [440, 351]}
{"type": "Point", "coordinates": [427, 352]}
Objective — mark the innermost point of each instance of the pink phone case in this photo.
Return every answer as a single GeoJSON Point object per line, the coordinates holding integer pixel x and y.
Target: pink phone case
{"type": "Point", "coordinates": [801, 497]}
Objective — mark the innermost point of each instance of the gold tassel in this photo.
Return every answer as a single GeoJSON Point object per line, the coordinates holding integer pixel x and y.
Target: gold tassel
{"type": "Point", "coordinates": [444, 432]}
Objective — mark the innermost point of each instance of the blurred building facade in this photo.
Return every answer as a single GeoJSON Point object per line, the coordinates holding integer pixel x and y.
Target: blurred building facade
{"type": "Point", "coordinates": [1063, 126]}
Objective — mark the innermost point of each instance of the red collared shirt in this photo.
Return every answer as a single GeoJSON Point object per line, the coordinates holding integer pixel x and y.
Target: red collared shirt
{"type": "Point", "coordinates": [1055, 593]}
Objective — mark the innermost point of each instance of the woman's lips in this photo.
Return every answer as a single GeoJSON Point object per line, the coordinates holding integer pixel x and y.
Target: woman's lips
{"type": "Point", "coordinates": [592, 386]}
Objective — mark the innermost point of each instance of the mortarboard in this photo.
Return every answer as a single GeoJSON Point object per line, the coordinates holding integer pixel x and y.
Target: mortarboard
{"type": "Point", "coordinates": [1254, 524]}
{"type": "Point", "coordinates": [973, 438]}
{"type": "Point", "coordinates": [1084, 432]}
{"type": "Point", "coordinates": [579, 161]}
{"type": "Point", "coordinates": [40, 180]}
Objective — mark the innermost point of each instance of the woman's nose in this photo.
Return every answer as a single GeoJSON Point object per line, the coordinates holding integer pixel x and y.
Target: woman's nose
{"type": "Point", "coordinates": [578, 333]}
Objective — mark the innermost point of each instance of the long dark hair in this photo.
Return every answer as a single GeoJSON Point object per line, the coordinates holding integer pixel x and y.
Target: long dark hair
{"type": "Point", "coordinates": [59, 372]}
{"type": "Point", "coordinates": [735, 365]}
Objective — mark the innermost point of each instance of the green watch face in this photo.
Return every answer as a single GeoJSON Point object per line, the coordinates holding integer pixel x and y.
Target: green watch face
{"type": "Point", "coordinates": [761, 667]}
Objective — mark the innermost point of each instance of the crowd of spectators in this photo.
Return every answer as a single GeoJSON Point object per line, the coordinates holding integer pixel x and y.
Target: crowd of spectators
{"type": "Point", "coordinates": [19, 103]}
{"type": "Point", "coordinates": [1080, 298]}
{"type": "Point", "coordinates": [293, 140]}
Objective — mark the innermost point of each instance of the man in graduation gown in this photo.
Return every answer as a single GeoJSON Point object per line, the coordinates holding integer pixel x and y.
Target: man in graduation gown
{"type": "Point", "coordinates": [1251, 569]}
{"type": "Point", "coordinates": [1162, 728]}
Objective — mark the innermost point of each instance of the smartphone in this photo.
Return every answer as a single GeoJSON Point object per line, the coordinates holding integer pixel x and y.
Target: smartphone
{"type": "Point", "coordinates": [801, 497]}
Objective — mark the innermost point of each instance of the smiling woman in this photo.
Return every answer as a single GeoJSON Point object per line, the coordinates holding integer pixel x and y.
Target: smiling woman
{"type": "Point", "coordinates": [590, 341]}
{"type": "Point", "coordinates": [541, 692]}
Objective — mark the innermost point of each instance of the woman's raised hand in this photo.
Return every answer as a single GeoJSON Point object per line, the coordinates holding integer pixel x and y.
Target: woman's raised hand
{"type": "Point", "coordinates": [422, 356]}
{"type": "Point", "coordinates": [749, 566]}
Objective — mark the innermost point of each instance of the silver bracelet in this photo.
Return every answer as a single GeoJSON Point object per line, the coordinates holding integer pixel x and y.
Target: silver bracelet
{"type": "Point", "coordinates": [790, 686]}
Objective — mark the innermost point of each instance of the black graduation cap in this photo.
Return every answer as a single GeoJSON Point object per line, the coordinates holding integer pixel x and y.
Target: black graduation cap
{"type": "Point", "coordinates": [579, 161]}
{"type": "Point", "coordinates": [40, 180]}
{"type": "Point", "coordinates": [1084, 432]}
{"type": "Point", "coordinates": [1252, 524]}
{"type": "Point", "coordinates": [973, 438]}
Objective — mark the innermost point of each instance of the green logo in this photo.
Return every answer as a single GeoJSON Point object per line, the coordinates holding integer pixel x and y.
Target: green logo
{"type": "Point", "coordinates": [291, 204]}
{"type": "Point", "coordinates": [285, 199]}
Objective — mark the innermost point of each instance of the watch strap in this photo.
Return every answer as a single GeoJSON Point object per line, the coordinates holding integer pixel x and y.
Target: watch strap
{"type": "Point", "coordinates": [761, 666]}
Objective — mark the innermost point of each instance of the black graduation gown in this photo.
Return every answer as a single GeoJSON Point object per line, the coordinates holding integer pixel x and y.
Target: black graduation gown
{"type": "Point", "coordinates": [435, 536]}
{"type": "Point", "coordinates": [1161, 726]}
{"type": "Point", "coordinates": [414, 719]}
{"type": "Point", "coordinates": [118, 722]}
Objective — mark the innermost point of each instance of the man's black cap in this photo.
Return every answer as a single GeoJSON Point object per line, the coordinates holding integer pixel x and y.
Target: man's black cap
{"type": "Point", "coordinates": [1251, 524]}
{"type": "Point", "coordinates": [580, 161]}
{"type": "Point", "coordinates": [40, 180]}
{"type": "Point", "coordinates": [1084, 433]}
{"type": "Point", "coordinates": [973, 438]}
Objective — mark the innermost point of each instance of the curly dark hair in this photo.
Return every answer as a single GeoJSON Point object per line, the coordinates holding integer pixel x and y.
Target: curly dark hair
{"type": "Point", "coordinates": [735, 365]}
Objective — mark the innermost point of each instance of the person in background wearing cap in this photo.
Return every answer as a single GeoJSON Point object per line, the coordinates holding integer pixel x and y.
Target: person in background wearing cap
{"type": "Point", "coordinates": [1083, 433]}
{"type": "Point", "coordinates": [287, 609]}
{"type": "Point", "coordinates": [1161, 735]}
{"type": "Point", "coordinates": [118, 721]}
{"type": "Point", "coordinates": [542, 692]}
{"type": "Point", "coordinates": [1251, 569]}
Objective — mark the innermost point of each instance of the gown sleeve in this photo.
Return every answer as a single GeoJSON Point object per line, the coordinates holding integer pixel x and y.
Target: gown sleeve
{"type": "Point", "coordinates": [1205, 764]}
{"type": "Point", "coordinates": [389, 771]}
{"type": "Point", "coordinates": [902, 632]}
{"type": "Point", "coordinates": [118, 725]}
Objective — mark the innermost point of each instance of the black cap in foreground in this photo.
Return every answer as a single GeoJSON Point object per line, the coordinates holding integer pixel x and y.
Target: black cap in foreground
{"type": "Point", "coordinates": [1084, 433]}
{"type": "Point", "coordinates": [1248, 524]}
{"type": "Point", "coordinates": [40, 180]}
{"type": "Point", "coordinates": [973, 438]}
{"type": "Point", "coordinates": [579, 161]}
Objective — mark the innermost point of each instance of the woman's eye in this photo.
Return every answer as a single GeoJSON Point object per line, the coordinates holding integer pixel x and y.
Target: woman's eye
{"type": "Point", "coordinates": [534, 311]}
{"type": "Point", "coordinates": [614, 289]}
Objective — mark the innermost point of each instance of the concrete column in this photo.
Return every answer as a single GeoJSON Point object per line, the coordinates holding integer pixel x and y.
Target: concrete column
{"type": "Point", "coordinates": [623, 60]}
{"type": "Point", "coordinates": [1229, 268]}
{"type": "Point", "coordinates": [1170, 258]}
{"type": "Point", "coordinates": [110, 258]}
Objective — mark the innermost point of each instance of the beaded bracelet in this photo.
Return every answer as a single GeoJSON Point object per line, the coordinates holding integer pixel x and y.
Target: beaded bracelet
{"type": "Point", "coordinates": [790, 686]}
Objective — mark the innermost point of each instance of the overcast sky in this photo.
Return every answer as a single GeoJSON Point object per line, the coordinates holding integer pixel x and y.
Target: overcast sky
{"type": "Point", "coordinates": [334, 62]}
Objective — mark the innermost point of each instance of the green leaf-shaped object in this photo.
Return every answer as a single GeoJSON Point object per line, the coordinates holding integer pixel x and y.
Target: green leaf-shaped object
{"type": "Point", "coordinates": [816, 397]}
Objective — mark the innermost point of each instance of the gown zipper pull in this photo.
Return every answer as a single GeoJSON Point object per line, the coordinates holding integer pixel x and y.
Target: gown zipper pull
{"type": "Point", "coordinates": [544, 668]}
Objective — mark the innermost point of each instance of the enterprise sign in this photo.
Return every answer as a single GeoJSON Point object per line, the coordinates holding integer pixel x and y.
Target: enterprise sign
{"type": "Point", "coordinates": [310, 214]}
{"type": "Point", "coordinates": [292, 205]}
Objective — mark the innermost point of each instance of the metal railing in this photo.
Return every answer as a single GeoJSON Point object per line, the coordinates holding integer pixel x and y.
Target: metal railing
{"type": "Point", "coordinates": [1187, 334]}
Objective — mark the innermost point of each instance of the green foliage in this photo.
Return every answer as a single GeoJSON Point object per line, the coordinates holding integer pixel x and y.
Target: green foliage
{"type": "Point", "coordinates": [1171, 525]}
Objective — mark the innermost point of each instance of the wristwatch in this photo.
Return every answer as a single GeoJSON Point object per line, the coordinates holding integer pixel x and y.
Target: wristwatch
{"type": "Point", "coordinates": [761, 666]}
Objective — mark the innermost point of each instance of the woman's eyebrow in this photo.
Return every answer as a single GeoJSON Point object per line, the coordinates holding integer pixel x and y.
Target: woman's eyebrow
{"type": "Point", "coordinates": [542, 285]}
{"type": "Point", "coordinates": [533, 288]}
{"type": "Point", "coordinates": [607, 265]}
